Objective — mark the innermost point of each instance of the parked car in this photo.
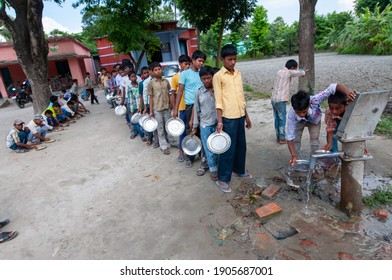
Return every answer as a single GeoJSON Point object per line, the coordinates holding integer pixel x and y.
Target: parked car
{"type": "Point", "coordinates": [169, 69]}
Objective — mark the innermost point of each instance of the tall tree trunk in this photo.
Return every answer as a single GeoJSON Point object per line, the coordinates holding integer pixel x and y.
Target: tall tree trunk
{"type": "Point", "coordinates": [139, 60]}
{"type": "Point", "coordinates": [31, 47]}
{"type": "Point", "coordinates": [306, 37]}
{"type": "Point", "coordinates": [218, 55]}
{"type": "Point", "coordinates": [198, 38]}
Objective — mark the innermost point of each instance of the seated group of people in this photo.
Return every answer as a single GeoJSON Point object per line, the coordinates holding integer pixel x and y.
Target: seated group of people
{"type": "Point", "coordinates": [60, 112]}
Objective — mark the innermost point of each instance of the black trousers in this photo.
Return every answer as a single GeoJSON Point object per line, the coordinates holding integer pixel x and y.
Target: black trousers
{"type": "Point", "coordinates": [92, 95]}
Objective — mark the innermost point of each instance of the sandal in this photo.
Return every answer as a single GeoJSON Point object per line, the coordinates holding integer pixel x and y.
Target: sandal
{"type": "Point", "coordinates": [224, 187]}
{"type": "Point", "coordinates": [7, 236]}
{"type": "Point", "coordinates": [4, 223]}
{"type": "Point", "coordinates": [246, 175]}
{"type": "Point", "coordinates": [214, 176]}
{"type": "Point", "coordinates": [132, 136]}
{"type": "Point", "coordinates": [50, 141]}
{"type": "Point", "coordinates": [148, 143]}
{"type": "Point", "coordinates": [180, 158]}
{"type": "Point", "coordinates": [166, 151]}
{"type": "Point", "coordinates": [188, 163]}
{"type": "Point", "coordinates": [201, 171]}
{"type": "Point", "coordinates": [156, 145]}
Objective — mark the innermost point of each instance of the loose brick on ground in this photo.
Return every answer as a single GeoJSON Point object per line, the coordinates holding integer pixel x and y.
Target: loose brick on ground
{"type": "Point", "coordinates": [270, 191]}
{"type": "Point", "coordinates": [268, 211]}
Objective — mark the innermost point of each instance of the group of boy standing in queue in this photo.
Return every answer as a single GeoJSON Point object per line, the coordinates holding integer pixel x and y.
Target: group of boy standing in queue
{"type": "Point", "coordinates": [205, 99]}
{"type": "Point", "coordinates": [212, 100]}
{"type": "Point", "coordinates": [209, 100]}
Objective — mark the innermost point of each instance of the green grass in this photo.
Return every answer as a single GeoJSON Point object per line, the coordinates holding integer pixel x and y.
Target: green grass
{"type": "Point", "coordinates": [379, 196]}
{"type": "Point", "coordinates": [384, 126]}
{"type": "Point", "coordinates": [252, 94]}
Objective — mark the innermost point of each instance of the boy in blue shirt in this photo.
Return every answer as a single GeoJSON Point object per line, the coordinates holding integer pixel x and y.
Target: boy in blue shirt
{"type": "Point", "coordinates": [188, 85]}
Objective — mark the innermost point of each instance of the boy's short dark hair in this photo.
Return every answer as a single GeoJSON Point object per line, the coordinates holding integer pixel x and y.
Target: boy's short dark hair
{"type": "Point", "coordinates": [113, 71]}
{"type": "Point", "coordinates": [291, 64]}
{"type": "Point", "coordinates": [48, 112]}
{"type": "Point", "coordinates": [74, 80]}
{"type": "Point", "coordinates": [227, 50]}
{"type": "Point", "coordinates": [206, 70]}
{"type": "Point", "coordinates": [131, 72]}
{"type": "Point", "coordinates": [184, 58]}
{"type": "Point", "coordinates": [338, 98]}
{"type": "Point", "coordinates": [53, 98]}
{"type": "Point", "coordinates": [56, 104]}
{"type": "Point", "coordinates": [87, 73]}
{"type": "Point", "coordinates": [70, 103]}
{"type": "Point", "coordinates": [103, 69]}
{"type": "Point", "coordinates": [143, 69]}
{"type": "Point", "coordinates": [154, 65]}
{"type": "Point", "coordinates": [301, 100]}
{"type": "Point", "coordinates": [63, 91]}
{"type": "Point", "coordinates": [198, 54]}
{"type": "Point", "coordinates": [74, 97]}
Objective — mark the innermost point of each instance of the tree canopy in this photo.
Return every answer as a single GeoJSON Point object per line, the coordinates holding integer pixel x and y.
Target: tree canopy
{"type": "Point", "coordinates": [127, 24]}
{"type": "Point", "coordinates": [361, 5]}
{"type": "Point", "coordinates": [231, 13]}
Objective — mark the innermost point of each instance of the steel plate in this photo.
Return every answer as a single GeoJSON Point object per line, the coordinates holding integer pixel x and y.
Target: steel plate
{"type": "Point", "coordinates": [218, 143]}
{"type": "Point", "coordinates": [191, 145]}
{"type": "Point", "coordinates": [175, 127]}
{"type": "Point", "coordinates": [150, 124]}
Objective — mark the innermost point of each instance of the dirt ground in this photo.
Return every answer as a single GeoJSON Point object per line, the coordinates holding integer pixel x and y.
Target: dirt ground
{"type": "Point", "coordinates": [96, 194]}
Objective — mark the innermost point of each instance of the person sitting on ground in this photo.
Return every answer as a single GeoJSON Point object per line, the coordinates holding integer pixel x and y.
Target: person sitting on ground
{"type": "Point", "coordinates": [305, 111]}
{"type": "Point", "coordinates": [47, 120]}
{"type": "Point", "coordinates": [64, 108]}
{"type": "Point", "coordinates": [16, 138]}
{"type": "Point", "coordinates": [78, 106]}
{"type": "Point", "coordinates": [66, 95]}
{"type": "Point", "coordinates": [38, 130]}
{"type": "Point", "coordinates": [74, 88]}
{"type": "Point", "coordinates": [61, 117]}
{"type": "Point", "coordinates": [6, 235]}
{"type": "Point", "coordinates": [281, 95]}
{"type": "Point", "coordinates": [204, 109]}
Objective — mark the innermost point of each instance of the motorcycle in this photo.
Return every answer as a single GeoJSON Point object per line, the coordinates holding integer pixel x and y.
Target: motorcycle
{"type": "Point", "coordinates": [22, 97]}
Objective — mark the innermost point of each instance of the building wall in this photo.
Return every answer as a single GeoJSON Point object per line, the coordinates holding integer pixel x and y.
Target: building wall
{"type": "Point", "coordinates": [107, 56]}
{"type": "Point", "coordinates": [60, 49]}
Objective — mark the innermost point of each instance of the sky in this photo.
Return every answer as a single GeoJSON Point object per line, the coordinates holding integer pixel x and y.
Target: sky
{"type": "Point", "coordinates": [66, 18]}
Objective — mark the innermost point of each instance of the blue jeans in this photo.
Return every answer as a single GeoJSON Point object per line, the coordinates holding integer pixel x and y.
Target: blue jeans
{"type": "Point", "coordinates": [52, 122]}
{"type": "Point", "coordinates": [61, 117]}
{"type": "Point", "coordinates": [182, 116]}
{"type": "Point", "coordinates": [136, 128]}
{"type": "Point", "coordinates": [22, 138]}
{"type": "Point", "coordinates": [233, 160]}
{"type": "Point", "coordinates": [279, 109]}
{"type": "Point", "coordinates": [42, 130]}
{"type": "Point", "coordinates": [335, 144]}
{"type": "Point", "coordinates": [128, 113]}
{"type": "Point", "coordinates": [211, 157]}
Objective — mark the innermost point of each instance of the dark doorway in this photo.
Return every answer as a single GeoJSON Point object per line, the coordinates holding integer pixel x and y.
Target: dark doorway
{"type": "Point", "coordinates": [183, 48]}
{"type": "Point", "coordinates": [62, 67]}
{"type": "Point", "coordinates": [6, 76]}
{"type": "Point", "coordinates": [157, 56]}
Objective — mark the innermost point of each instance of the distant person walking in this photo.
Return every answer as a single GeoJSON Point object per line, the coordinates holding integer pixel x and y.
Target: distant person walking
{"type": "Point", "coordinates": [90, 88]}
